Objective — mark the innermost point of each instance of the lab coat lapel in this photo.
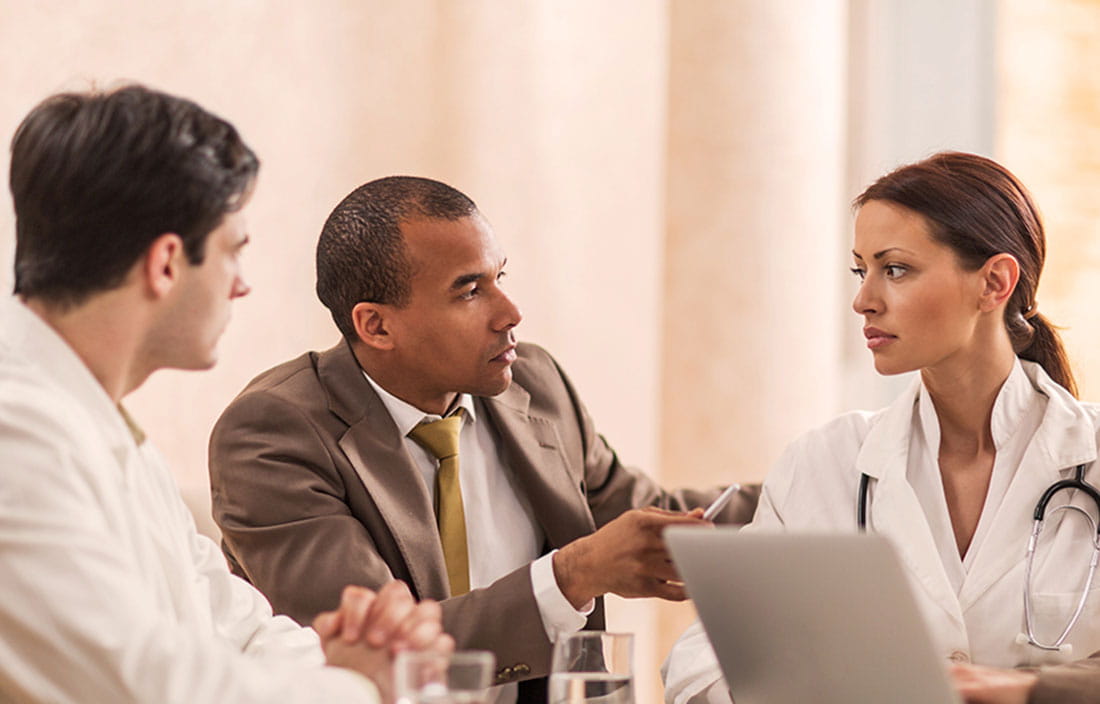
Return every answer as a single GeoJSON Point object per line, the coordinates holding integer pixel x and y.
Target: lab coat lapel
{"type": "Point", "coordinates": [893, 507]}
{"type": "Point", "coordinates": [376, 450]}
{"type": "Point", "coordinates": [532, 449]}
{"type": "Point", "coordinates": [1065, 438]}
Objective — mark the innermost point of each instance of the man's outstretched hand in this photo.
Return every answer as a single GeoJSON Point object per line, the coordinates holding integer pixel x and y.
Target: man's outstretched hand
{"type": "Point", "coordinates": [627, 557]}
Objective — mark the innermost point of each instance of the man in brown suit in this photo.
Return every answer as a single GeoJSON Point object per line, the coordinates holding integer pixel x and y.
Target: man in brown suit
{"type": "Point", "coordinates": [321, 476]}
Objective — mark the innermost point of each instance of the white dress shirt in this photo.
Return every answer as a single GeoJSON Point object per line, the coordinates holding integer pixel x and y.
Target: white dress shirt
{"type": "Point", "coordinates": [108, 592]}
{"type": "Point", "coordinates": [501, 531]}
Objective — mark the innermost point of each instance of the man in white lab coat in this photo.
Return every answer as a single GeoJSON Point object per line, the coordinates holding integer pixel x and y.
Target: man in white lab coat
{"type": "Point", "coordinates": [129, 225]}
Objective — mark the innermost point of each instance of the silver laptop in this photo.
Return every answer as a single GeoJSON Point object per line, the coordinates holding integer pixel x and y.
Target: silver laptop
{"type": "Point", "coordinates": [828, 619]}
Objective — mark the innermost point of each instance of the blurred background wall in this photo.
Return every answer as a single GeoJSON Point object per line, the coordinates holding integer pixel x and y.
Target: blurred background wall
{"type": "Point", "coordinates": [670, 178]}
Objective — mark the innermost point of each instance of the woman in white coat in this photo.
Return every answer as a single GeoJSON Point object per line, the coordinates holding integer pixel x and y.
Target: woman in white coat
{"type": "Point", "coordinates": [949, 252]}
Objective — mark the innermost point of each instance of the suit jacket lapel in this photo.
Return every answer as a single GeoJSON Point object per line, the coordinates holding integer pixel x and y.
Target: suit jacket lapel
{"type": "Point", "coordinates": [377, 452]}
{"type": "Point", "coordinates": [532, 448]}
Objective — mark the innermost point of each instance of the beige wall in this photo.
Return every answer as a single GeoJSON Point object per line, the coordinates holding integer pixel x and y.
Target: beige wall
{"type": "Point", "coordinates": [668, 177]}
{"type": "Point", "coordinates": [1049, 135]}
{"type": "Point", "coordinates": [752, 290]}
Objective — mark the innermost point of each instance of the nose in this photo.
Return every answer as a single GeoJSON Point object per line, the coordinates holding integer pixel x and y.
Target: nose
{"type": "Point", "coordinates": [866, 301]}
{"type": "Point", "coordinates": [240, 288]}
{"type": "Point", "coordinates": [508, 314]}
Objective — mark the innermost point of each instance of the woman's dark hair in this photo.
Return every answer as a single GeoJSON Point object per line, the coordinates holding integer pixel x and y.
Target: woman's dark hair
{"type": "Point", "coordinates": [97, 177]}
{"type": "Point", "coordinates": [978, 208]}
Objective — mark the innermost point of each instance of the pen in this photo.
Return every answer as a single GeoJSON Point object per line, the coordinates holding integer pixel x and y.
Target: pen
{"type": "Point", "coordinates": [720, 503]}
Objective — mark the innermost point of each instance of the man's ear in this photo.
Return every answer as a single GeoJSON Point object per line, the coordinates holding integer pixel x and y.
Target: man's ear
{"type": "Point", "coordinates": [163, 264]}
{"type": "Point", "coordinates": [1000, 273]}
{"type": "Point", "coordinates": [370, 321]}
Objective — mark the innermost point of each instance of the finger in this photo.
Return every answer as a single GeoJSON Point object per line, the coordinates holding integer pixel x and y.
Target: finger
{"type": "Point", "coordinates": [657, 511]}
{"type": "Point", "coordinates": [421, 626]}
{"type": "Point", "coordinates": [655, 523]}
{"type": "Point", "coordinates": [418, 635]}
{"type": "Point", "coordinates": [444, 644]}
{"type": "Point", "coordinates": [652, 567]}
{"type": "Point", "coordinates": [393, 605]}
{"type": "Point", "coordinates": [664, 520]}
{"type": "Point", "coordinates": [670, 591]}
{"type": "Point", "coordinates": [426, 611]}
{"type": "Point", "coordinates": [327, 624]}
{"type": "Point", "coordinates": [422, 614]}
{"type": "Point", "coordinates": [664, 571]}
{"type": "Point", "coordinates": [355, 603]}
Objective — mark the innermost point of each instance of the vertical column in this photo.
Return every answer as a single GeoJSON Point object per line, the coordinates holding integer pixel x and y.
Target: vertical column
{"type": "Point", "coordinates": [551, 114]}
{"type": "Point", "coordinates": [753, 259]}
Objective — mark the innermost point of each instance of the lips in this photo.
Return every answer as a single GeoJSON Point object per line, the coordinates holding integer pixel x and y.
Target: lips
{"type": "Point", "coordinates": [876, 338]}
{"type": "Point", "coordinates": [507, 356]}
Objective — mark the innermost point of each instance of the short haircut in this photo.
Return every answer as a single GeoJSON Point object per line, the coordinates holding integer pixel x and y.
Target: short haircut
{"type": "Point", "coordinates": [361, 255]}
{"type": "Point", "coordinates": [96, 177]}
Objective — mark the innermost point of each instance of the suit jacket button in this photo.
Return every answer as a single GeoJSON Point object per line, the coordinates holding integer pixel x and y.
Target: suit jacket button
{"type": "Point", "coordinates": [504, 674]}
{"type": "Point", "coordinates": [521, 669]}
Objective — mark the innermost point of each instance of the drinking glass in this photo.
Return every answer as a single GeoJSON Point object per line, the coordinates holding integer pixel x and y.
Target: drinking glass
{"type": "Point", "coordinates": [432, 678]}
{"type": "Point", "coordinates": [593, 667]}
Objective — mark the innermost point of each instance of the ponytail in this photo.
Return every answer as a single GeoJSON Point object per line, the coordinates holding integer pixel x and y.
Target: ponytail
{"type": "Point", "coordinates": [1037, 340]}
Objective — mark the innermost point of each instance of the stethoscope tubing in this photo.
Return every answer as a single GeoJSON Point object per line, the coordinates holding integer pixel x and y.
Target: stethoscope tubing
{"type": "Point", "coordinates": [1077, 482]}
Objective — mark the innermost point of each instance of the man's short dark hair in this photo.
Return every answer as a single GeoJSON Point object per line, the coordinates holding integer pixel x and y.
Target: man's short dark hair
{"type": "Point", "coordinates": [361, 255]}
{"type": "Point", "coordinates": [96, 177]}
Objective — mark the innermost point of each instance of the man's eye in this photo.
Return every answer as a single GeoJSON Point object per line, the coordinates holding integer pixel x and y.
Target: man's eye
{"type": "Point", "coordinates": [467, 295]}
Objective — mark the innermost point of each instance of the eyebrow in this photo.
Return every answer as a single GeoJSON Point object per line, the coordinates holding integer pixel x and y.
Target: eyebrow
{"type": "Point", "coordinates": [467, 279]}
{"type": "Point", "coordinates": [883, 253]}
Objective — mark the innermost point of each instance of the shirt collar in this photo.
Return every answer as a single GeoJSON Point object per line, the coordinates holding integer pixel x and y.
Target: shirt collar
{"type": "Point", "coordinates": [1015, 398]}
{"type": "Point", "coordinates": [36, 343]}
{"type": "Point", "coordinates": [407, 416]}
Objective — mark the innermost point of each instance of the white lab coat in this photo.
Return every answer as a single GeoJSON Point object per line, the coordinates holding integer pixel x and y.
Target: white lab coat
{"type": "Point", "coordinates": [814, 487]}
{"type": "Point", "coordinates": [108, 594]}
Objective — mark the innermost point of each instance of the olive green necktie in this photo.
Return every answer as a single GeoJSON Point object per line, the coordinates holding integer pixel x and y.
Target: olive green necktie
{"type": "Point", "coordinates": [440, 438]}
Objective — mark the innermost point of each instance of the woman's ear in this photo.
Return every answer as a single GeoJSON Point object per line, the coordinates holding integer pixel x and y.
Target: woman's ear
{"type": "Point", "coordinates": [370, 321]}
{"type": "Point", "coordinates": [1000, 273]}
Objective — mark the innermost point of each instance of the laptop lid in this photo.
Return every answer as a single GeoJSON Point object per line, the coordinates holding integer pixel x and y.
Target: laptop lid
{"type": "Point", "coordinates": [803, 618]}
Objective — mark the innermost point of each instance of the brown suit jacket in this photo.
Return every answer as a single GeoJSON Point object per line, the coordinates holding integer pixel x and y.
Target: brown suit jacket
{"type": "Point", "coordinates": [1073, 683]}
{"type": "Point", "coordinates": [313, 490]}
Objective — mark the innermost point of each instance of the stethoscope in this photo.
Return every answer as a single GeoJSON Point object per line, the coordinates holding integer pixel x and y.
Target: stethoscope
{"type": "Point", "coordinates": [1077, 482]}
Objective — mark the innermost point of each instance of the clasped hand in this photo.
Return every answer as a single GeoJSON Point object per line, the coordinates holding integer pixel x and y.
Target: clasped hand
{"type": "Point", "coordinates": [369, 629]}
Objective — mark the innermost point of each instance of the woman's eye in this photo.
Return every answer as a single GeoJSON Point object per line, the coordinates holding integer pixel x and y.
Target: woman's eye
{"type": "Point", "coordinates": [893, 271]}
{"type": "Point", "coordinates": [861, 273]}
